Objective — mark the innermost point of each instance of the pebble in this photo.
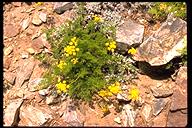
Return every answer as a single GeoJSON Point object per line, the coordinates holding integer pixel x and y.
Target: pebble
{"type": "Point", "coordinates": [25, 23]}
{"type": "Point", "coordinates": [31, 51]}
{"type": "Point", "coordinates": [43, 92]}
{"type": "Point", "coordinates": [43, 16]}
{"type": "Point", "coordinates": [8, 50]}
{"type": "Point", "coordinates": [24, 55]}
{"type": "Point", "coordinates": [117, 120]}
{"type": "Point", "coordinates": [50, 100]}
{"type": "Point", "coordinates": [36, 20]}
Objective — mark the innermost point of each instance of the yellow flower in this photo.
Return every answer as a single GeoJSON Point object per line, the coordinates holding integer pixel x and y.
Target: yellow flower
{"type": "Point", "coordinates": [74, 39]}
{"type": "Point", "coordinates": [104, 93]}
{"type": "Point", "coordinates": [61, 64]}
{"type": "Point", "coordinates": [74, 60]}
{"type": "Point", "coordinates": [70, 43]}
{"type": "Point", "coordinates": [111, 46]}
{"type": "Point", "coordinates": [62, 87]}
{"type": "Point", "coordinates": [115, 88]}
{"type": "Point", "coordinates": [97, 18]}
{"type": "Point", "coordinates": [162, 6]}
{"type": "Point", "coordinates": [132, 51]}
{"type": "Point", "coordinates": [134, 94]}
{"type": "Point", "coordinates": [39, 3]}
{"type": "Point", "coordinates": [77, 49]}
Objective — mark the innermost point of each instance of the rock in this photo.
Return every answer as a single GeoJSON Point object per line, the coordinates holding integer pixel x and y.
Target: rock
{"type": "Point", "coordinates": [123, 97]}
{"type": "Point", "coordinates": [177, 119]}
{"type": "Point", "coordinates": [25, 72]}
{"type": "Point", "coordinates": [11, 30]}
{"type": "Point", "coordinates": [10, 77]}
{"type": "Point", "coordinates": [45, 42]}
{"type": "Point", "coordinates": [61, 7]}
{"type": "Point", "coordinates": [139, 121]}
{"type": "Point", "coordinates": [33, 84]}
{"type": "Point", "coordinates": [6, 62]}
{"type": "Point", "coordinates": [11, 114]}
{"type": "Point", "coordinates": [31, 51]}
{"type": "Point", "coordinates": [147, 112]}
{"type": "Point", "coordinates": [159, 105]}
{"type": "Point", "coordinates": [37, 45]}
{"type": "Point", "coordinates": [43, 16]}
{"type": "Point", "coordinates": [34, 116]}
{"type": "Point", "coordinates": [43, 92]}
{"type": "Point", "coordinates": [160, 120]}
{"type": "Point", "coordinates": [72, 117]}
{"type": "Point", "coordinates": [29, 32]}
{"type": "Point", "coordinates": [16, 4]}
{"type": "Point", "coordinates": [51, 100]}
{"type": "Point", "coordinates": [8, 50]}
{"type": "Point", "coordinates": [128, 116]}
{"type": "Point", "coordinates": [30, 10]}
{"type": "Point", "coordinates": [179, 98]}
{"type": "Point", "coordinates": [130, 33]}
{"type": "Point", "coordinates": [24, 55]}
{"type": "Point", "coordinates": [25, 23]}
{"type": "Point", "coordinates": [37, 34]}
{"type": "Point", "coordinates": [117, 120]}
{"type": "Point", "coordinates": [163, 45]}
{"type": "Point", "coordinates": [36, 20]}
{"type": "Point", "coordinates": [161, 92]}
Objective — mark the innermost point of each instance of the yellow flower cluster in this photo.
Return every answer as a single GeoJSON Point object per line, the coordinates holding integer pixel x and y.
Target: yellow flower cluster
{"type": "Point", "coordinates": [134, 94]}
{"type": "Point", "coordinates": [71, 48]}
{"type": "Point", "coordinates": [162, 6]}
{"type": "Point", "coordinates": [39, 3]}
{"type": "Point", "coordinates": [62, 87]}
{"type": "Point", "coordinates": [61, 64]}
{"type": "Point", "coordinates": [132, 51]}
{"type": "Point", "coordinates": [74, 60]}
{"type": "Point", "coordinates": [111, 46]}
{"type": "Point", "coordinates": [97, 18]}
{"type": "Point", "coordinates": [112, 89]}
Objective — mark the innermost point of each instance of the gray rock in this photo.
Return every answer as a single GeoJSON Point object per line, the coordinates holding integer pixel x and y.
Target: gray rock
{"type": "Point", "coordinates": [61, 7]}
{"type": "Point", "coordinates": [43, 92]}
{"type": "Point", "coordinates": [11, 30]}
{"type": "Point", "coordinates": [51, 100]}
{"type": "Point", "coordinates": [123, 97]}
{"type": "Point", "coordinates": [179, 98]}
{"type": "Point", "coordinates": [163, 45]}
{"type": "Point", "coordinates": [161, 92]}
{"type": "Point", "coordinates": [10, 77]}
{"type": "Point", "coordinates": [11, 114]}
{"type": "Point", "coordinates": [33, 84]}
{"type": "Point", "coordinates": [159, 105]}
{"type": "Point", "coordinates": [25, 72]}
{"type": "Point", "coordinates": [130, 33]}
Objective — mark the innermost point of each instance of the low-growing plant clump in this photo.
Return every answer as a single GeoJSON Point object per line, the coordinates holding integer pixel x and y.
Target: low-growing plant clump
{"type": "Point", "coordinates": [84, 60]}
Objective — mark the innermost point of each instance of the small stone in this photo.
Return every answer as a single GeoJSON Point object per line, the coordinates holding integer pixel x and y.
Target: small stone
{"type": "Point", "coordinates": [33, 84]}
{"type": "Point", "coordinates": [29, 10]}
{"type": "Point", "coordinates": [6, 62]}
{"type": "Point", "coordinates": [25, 24]}
{"type": "Point", "coordinates": [43, 92]}
{"type": "Point", "coordinates": [10, 77]}
{"type": "Point", "coordinates": [61, 7]}
{"type": "Point", "coordinates": [123, 97]}
{"type": "Point", "coordinates": [36, 20]}
{"type": "Point", "coordinates": [117, 120]}
{"type": "Point", "coordinates": [24, 55]}
{"type": "Point", "coordinates": [16, 4]}
{"type": "Point", "coordinates": [43, 16]}
{"type": "Point", "coordinates": [29, 32]}
{"type": "Point", "coordinates": [8, 50]}
{"type": "Point", "coordinates": [37, 45]}
{"type": "Point", "coordinates": [50, 100]}
{"type": "Point", "coordinates": [146, 112]}
{"type": "Point", "coordinates": [31, 51]}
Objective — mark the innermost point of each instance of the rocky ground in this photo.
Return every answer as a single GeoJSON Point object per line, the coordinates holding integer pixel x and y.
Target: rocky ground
{"type": "Point", "coordinates": [163, 103]}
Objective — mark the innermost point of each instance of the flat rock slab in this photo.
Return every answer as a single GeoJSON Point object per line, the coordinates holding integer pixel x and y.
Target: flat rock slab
{"type": "Point", "coordinates": [25, 72]}
{"type": "Point", "coordinates": [159, 105]}
{"type": "Point", "coordinates": [34, 116]}
{"type": "Point", "coordinates": [12, 112]}
{"type": "Point", "coordinates": [130, 33]}
{"type": "Point", "coordinates": [179, 98]}
{"type": "Point", "coordinates": [11, 30]}
{"type": "Point", "coordinates": [161, 92]}
{"type": "Point", "coordinates": [177, 119]}
{"type": "Point", "coordinates": [163, 45]}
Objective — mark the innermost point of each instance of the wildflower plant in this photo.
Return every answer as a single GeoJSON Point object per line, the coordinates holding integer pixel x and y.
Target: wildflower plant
{"type": "Point", "coordinates": [80, 57]}
{"type": "Point", "coordinates": [160, 10]}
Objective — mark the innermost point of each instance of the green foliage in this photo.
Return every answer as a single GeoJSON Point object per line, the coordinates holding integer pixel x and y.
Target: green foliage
{"type": "Point", "coordinates": [160, 10]}
{"type": "Point", "coordinates": [80, 55]}
{"type": "Point", "coordinates": [183, 51]}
